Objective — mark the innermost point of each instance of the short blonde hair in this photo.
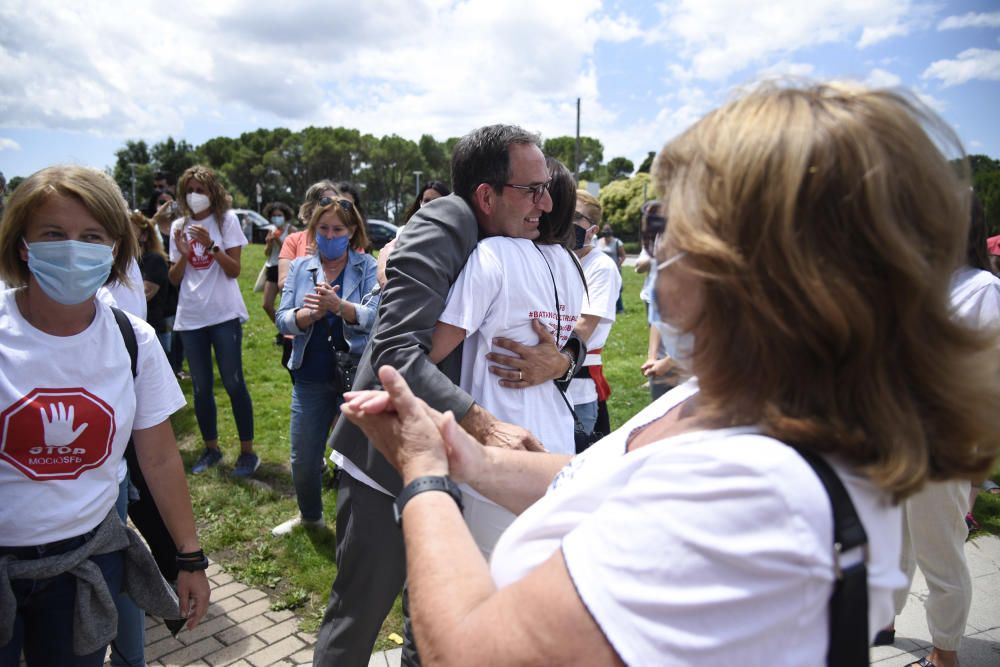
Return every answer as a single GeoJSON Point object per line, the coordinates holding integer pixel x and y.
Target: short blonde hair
{"type": "Point", "coordinates": [348, 215]}
{"type": "Point", "coordinates": [94, 189]}
{"type": "Point", "coordinates": [825, 225]}
{"type": "Point", "coordinates": [587, 199]}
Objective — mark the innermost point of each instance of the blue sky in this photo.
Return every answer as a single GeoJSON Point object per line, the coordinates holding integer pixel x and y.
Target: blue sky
{"type": "Point", "coordinates": [78, 79]}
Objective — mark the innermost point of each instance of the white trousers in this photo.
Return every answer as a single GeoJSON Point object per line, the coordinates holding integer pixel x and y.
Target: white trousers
{"type": "Point", "coordinates": [934, 534]}
{"type": "Point", "coordinates": [486, 522]}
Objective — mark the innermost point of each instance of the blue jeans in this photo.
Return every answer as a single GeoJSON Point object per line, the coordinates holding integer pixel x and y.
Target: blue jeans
{"type": "Point", "coordinates": [127, 649]}
{"type": "Point", "coordinates": [314, 405]}
{"type": "Point", "coordinates": [587, 414]}
{"type": "Point", "coordinates": [43, 625]}
{"type": "Point", "coordinates": [227, 339]}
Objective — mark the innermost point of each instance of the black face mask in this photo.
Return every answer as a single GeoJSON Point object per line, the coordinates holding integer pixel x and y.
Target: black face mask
{"type": "Point", "coordinates": [606, 234]}
{"type": "Point", "coordinates": [581, 236]}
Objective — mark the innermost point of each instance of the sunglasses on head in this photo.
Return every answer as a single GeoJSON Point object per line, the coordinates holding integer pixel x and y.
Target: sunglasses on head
{"type": "Point", "coordinates": [344, 203]}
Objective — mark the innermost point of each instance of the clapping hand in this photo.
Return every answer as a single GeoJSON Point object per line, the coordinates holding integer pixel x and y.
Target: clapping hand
{"type": "Point", "coordinates": [323, 299]}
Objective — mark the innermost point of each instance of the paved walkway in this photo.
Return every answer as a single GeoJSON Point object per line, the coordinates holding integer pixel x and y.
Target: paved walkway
{"type": "Point", "coordinates": [240, 629]}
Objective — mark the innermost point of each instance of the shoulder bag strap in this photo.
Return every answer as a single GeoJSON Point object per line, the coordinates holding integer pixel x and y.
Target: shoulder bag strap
{"type": "Point", "coordinates": [849, 638]}
{"type": "Point", "coordinates": [128, 336]}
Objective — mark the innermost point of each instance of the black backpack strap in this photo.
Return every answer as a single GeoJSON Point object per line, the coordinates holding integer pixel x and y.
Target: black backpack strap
{"type": "Point", "coordinates": [849, 639]}
{"type": "Point", "coordinates": [128, 335]}
{"type": "Point", "coordinates": [143, 511]}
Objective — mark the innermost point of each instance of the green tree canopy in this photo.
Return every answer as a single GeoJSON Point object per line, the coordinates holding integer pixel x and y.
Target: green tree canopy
{"type": "Point", "coordinates": [621, 203]}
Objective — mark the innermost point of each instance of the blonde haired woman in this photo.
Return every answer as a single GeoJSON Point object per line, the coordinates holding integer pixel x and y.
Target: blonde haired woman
{"type": "Point", "coordinates": [205, 248]}
{"type": "Point", "coordinates": [813, 234]}
{"type": "Point", "coordinates": [325, 310]}
{"type": "Point", "coordinates": [69, 403]}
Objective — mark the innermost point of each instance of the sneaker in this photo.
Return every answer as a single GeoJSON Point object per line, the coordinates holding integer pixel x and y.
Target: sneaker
{"type": "Point", "coordinates": [246, 465]}
{"type": "Point", "coordinates": [289, 526]}
{"type": "Point", "coordinates": [208, 458]}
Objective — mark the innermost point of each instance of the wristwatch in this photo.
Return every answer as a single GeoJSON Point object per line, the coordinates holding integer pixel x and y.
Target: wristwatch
{"type": "Point", "coordinates": [216, 249]}
{"type": "Point", "coordinates": [421, 484]}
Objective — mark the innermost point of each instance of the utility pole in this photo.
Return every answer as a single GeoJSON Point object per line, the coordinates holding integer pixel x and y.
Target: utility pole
{"type": "Point", "coordinates": [132, 167]}
{"type": "Point", "coordinates": [416, 175]}
{"type": "Point", "coordinates": [576, 161]}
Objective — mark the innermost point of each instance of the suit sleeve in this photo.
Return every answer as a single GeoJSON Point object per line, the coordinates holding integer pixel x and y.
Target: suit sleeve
{"type": "Point", "coordinates": [430, 253]}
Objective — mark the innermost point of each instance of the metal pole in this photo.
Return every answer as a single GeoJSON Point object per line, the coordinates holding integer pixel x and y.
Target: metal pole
{"type": "Point", "coordinates": [576, 162]}
{"type": "Point", "coordinates": [132, 167]}
{"type": "Point", "coordinates": [416, 175]}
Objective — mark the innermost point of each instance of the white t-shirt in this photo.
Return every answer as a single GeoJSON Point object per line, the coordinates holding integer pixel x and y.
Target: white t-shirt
{"type": "Point", "coordinates": [975, 297]}
{"type": "Point", "coordinates": [601, 298]}
{"type": "Point", "coordinates": [504, 285]}
{"type": "Point", "coordinates": [706, 548]}
{"type": "Point", "coordinates": [68, 405]}
{"type": "Point", "coordinates": [130, 298]}
{"type": "Point", "coordinates": [208, 296]}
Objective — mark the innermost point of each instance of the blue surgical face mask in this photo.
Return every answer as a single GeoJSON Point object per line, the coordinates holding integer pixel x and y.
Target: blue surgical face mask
{"type": "Point", "coordinates": [278, 220]}
{"type": "Point", "coordinates": [70, 272]}
{"type": "Point", "coordinates": [332, 248]}
{"type": "Point", "coordinates": [678, 345]}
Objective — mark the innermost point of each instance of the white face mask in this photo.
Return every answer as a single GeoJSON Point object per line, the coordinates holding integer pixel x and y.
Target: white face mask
{"type": "Point", "coordinates": [198, 202]}
{"type": "Point", "coordinates": [678, 345]}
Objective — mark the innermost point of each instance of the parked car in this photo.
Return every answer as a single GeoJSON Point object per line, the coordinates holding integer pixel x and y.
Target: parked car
{"type": "Point", "coordinates": [380, 232]}
{"type": "Point", "coordinates": [255, 226]}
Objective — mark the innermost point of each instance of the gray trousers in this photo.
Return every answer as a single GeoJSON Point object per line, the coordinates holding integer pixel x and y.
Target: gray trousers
{"type": "Point", "coordinates": [371, 570]}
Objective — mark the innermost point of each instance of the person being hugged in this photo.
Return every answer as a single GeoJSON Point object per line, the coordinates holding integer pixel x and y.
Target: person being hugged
{"type": "Point", "coordinates": [205, 247]}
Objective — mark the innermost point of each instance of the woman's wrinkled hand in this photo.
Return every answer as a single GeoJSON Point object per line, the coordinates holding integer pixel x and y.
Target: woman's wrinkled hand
{"type": "Point", "coordinates": [399, 425]}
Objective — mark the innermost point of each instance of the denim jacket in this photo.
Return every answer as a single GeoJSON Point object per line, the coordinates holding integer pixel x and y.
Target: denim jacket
{"type": "Point", "coordinates": [359, 279]}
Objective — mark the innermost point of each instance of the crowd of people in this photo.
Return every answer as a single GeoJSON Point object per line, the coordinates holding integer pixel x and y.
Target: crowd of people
{"type": "Point", "coordinates": [822, 343]}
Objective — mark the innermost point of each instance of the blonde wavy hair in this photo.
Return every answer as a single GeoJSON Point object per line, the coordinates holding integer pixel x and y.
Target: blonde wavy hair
{"type": "Point", "coordinates": [153, 242]}
{"type": "Point", "coordinates": [825, 225]}
{"type": "Point", "coordinates": [94, 189]}
{"type": "Point", "coordinates": [349, 216]}
{"type": "Point", "coordinates": [219, 198]}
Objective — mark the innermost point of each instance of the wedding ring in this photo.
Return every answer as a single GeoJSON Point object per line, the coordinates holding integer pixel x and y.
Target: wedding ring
{"type": "Point", "coordinates": [520, 376]}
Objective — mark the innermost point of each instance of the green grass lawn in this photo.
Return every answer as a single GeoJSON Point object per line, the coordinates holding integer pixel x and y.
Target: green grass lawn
{"type": "Point", "coordinates": [235, 517]}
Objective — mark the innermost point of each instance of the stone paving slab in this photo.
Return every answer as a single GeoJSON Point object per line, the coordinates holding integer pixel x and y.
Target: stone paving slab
{"type": "Point", "coordinates": [241, 630]}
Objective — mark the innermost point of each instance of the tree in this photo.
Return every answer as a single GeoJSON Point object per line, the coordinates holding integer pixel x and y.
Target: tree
{"type": "Point", "coordinates": [591, 155]}
{"type": "Point", "coordinates": [437, 158]}
{"type": "Point", "coordinates": [619, 168]}
{"type": "Point", "coordinates": [389, 175]}
{"type": "Point", "coordinates": [135, 155]}
{"type": "Point", "coordinates": [647, 164]}
{"type": "Point", "coordinates": [621, 204]}
{"type": "Point", "coordinates": [986, 183]}
{"type": "Point", "coordinates": [173, 157]}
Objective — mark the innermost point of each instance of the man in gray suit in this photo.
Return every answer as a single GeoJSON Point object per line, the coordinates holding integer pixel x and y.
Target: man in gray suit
{"type": "Point", "coordinates": [500, 189]}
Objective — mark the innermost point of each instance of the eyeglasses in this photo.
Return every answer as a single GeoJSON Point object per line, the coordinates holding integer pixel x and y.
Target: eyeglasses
{"type": "Point", "coordinates": [537, 191]}
{"type": "Point", "coordinates": [344, 203]}
{"type": "Point", "coordinates": [577, 217]}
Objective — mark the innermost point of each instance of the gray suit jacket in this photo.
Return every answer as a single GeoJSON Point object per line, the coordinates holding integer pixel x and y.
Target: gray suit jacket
{"type": "Point", "coordinates": [431, 251]}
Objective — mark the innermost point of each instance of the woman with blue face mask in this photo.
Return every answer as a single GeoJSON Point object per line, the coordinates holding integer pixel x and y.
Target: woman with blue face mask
{"type": "Point", "coordinates": [205, 248]}
{"type": "Point", "coordinates": [325, 305]}
{"type": "Point", "coordinates": [69, 402]}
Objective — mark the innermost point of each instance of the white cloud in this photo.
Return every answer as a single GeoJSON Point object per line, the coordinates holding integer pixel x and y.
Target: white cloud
{"type": "Point", "coordinates": [880, 78]}
{"type": "Point", "coordinates": [970, 64]}
{"type": "Point", "coordinates": [409, 67]}
{"type": "Point", "coordinates": [971, 20]}
{"type": "Point", "coordinates": [786, 70]}
{"type": "Point", "coordinates": [720, 38]}
{"type": "Point", "coordinates": [9, 144]}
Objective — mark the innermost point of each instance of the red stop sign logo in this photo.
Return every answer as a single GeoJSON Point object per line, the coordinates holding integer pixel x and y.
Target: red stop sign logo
{"type": "Point", "coordinates": [57, 433]}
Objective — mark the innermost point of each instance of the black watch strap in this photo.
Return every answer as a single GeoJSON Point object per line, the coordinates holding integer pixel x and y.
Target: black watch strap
{"type": "Point", "coordinates": [421, 484]}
